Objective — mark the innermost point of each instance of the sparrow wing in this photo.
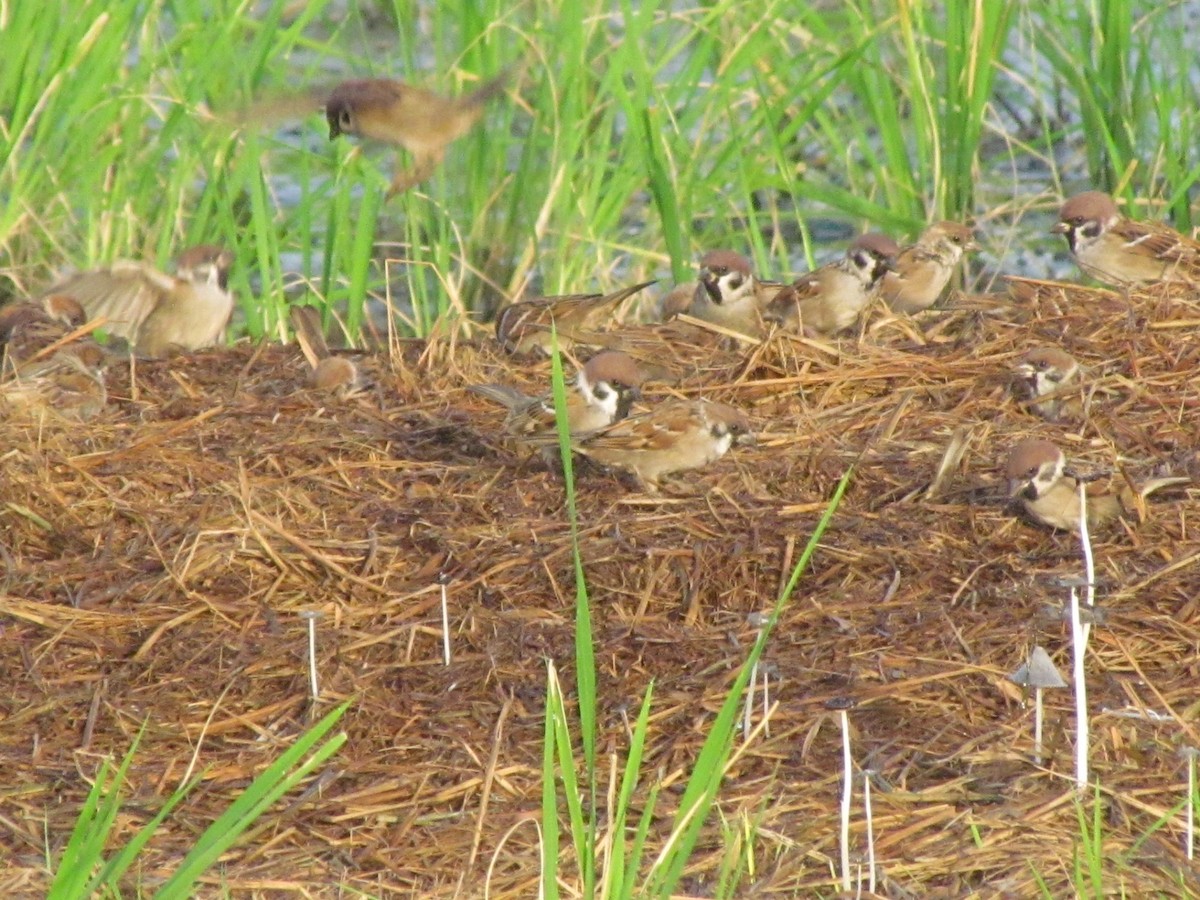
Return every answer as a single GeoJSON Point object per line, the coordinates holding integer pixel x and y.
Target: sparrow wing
{"type": "Point", "coordinates": [306, 322]}
{"type": "Point", "coordinates": [575, 311]}
{"type": "Point", "coordinates": [124, 294]}
{"type": "Point", "coordinates": [1162, 241]}
{"type": "Point", "coordinates": [659, 429]}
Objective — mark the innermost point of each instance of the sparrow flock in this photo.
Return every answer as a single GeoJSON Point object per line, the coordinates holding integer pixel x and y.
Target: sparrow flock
{"type": "Point", "coordinates": [52, 364]}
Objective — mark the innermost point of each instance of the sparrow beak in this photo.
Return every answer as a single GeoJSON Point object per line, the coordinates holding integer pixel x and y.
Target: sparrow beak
{"type": "Point", "coordinates": [746, 439]}
{"type": "Point", "coordinates": [1060, 228]}
{"type": "Point", "coordinates": [972, 245]}
{"type": "Point", "coordinates": [1024, 489]}
{"type": "Point", "coordinates": [888, 264]}
{"type": "Point", "coordinates": [708, 284]}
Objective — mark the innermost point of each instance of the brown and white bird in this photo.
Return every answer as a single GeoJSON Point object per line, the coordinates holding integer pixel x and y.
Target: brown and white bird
{"type": "Point", "coordinates": [1047, 381]}
{"type": "Point", "coordinates": [728, 294]}
{"type": "Point", "coordinates": [524, 326]}
{"type": "Point", "coordinates": [68, 384]}
{"type": "Point", "coordinates": [674, 436]}
{"type": "Point", "coordinates": [156, 312]}
{"type": "Point", "coordinates": [923, 269]}
{"type": "Point", "coordinates": [329, 373]}
{"type": "Point", "coordinates": [1037, 475]}
{"type": "Point", "coordinates": [1121, 251]}
{"type": "Point", "coordinates": [603, 393]}
{"type": "Point", "coordinates": [421, 121]}
{"type": "Point", "coordinates": [831, 298]}
{"type": "Point", "coordinates": [30, 329]}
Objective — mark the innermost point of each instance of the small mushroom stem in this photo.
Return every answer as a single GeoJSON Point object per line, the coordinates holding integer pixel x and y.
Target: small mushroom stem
{"type": "Point", "coordinates": [1191, 806]}
{"type": "Point", "coordinates": [766, 692]}
{"type": "Point", "coordinates": [757, 621]}
{"type": "Point", "coordinates": [847, 790]}
{"type": "Point", "coordinates": [1089, 562]}
{"type": "Point", "coordinates": [1078, 649]}
{"type": "Point", "coordinates": [751, 684]}
{"type": "Point", "coordinates": [311, 618]}
{"type": "Point", "coordinates": [870, 832]}
{"type": "Point", "coordinates": [445, 626]}
{"type": "Point", "coordinates": [1037, 725]}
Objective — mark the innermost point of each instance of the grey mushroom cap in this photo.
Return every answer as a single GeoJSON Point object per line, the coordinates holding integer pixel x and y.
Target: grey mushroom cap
{"type": "Point", "coordinates": [1039, 672]}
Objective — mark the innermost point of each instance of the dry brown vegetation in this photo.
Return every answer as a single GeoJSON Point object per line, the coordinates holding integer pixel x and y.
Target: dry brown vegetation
{"type": "Point", "coordinates": [155, 562]}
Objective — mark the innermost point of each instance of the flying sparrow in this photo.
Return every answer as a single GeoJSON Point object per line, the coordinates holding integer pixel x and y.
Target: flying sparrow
{"type": "Point", "coordinates": [156, 312]}
{"type": "Point", "coordinates": [1037, 474]}
{"type": "Point", "coordinates": [1120, 251]}
{"type": "Point", "coordinates": [1047, 379]}
{"type": "Point", "coordinates": [728, 294]}
{"type": "Point", "coordinates": [69, 383]}
{"type": "Point", "coordinates": [830, 299]}
{"type": "Point", "coordinates": [524, 326]}
{"type": "Point", "coordinates": [604, 390]}
{"type": "Point", "coordinates": [674, 436]}
{"type": "Point", "coordinates": [331, 374]}
{"type": "Point", "coordinates": [923, 269]}
{"type": "Point", "coordinates": [422, 122]}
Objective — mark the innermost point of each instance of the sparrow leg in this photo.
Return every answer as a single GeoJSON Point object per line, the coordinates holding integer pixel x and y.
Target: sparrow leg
{"type": "Point", "coordinates": [423, 166]}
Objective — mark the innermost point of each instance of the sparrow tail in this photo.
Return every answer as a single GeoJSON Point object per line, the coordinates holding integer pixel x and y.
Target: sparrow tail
{"type": "Point", "coordinates": [506, 396]}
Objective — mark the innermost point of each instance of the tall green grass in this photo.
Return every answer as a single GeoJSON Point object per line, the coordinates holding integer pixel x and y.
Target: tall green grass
{"type": "Point", "coordinates": [634, 136]}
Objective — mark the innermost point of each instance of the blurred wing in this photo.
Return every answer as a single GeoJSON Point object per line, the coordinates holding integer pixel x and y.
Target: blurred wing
{"type": "Point", "coordinates": [274, 109]}
{"type": "Point", "coordinates": [306, 322]}
{"type": "Point", "coordinates": [123, 294]}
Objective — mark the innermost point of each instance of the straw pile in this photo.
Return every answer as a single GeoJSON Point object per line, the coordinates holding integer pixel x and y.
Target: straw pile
{"type": "Point", "coordinates": [156, 560]}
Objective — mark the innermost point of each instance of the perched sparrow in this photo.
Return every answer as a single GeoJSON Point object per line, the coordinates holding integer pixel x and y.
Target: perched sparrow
{"type": "Point", "coordinates": [603, 392]}
{"type": "Point", "coordinates": [923, 269]}
{"type": "Point", "coordinates": [728, 294]}
{"type": "Point", "coordinates": [27, 329]}
{"type": "Point", "coordinates": [1037, 474]}
{"type": "Point", "coordinates": [332, 374]}
{"type": "Point", "coordinates": [422, 122]}
{"type": "Point", "coordinates": [1120, 251]}
{"type": "Point", "coordinates": [1047, 380]}
{"type": "Point", "coordinates": [69, 383]}
{"type": "Point", "coordinates": [674, 436]}
{"type": "Point", "coordinates": [830, 299]}
{"type": "Point", "coordinates": [156, 312]}
{"type": "Point", "coordinates": [524, 326]}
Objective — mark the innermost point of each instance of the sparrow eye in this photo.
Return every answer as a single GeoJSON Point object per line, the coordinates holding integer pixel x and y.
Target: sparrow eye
{"type": "Point", "coordinates": [720, 271]}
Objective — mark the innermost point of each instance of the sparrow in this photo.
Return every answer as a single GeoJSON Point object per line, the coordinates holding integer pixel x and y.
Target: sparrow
{"type": "Point", "coordinates": [524, 327]}
{"type": "Point", "coordinates": [672, 437]}
{"type": "Point", "coordinates": [421, 121]}
{"type": "Point", "coordinates": [156, 312]}
{"type": "Point", "coordinates": [1047, 380]}
{"type": "Point", "coordinates": [830, 299]}
{"type": "Point", "coordinates": [1120, 251]}
{"type": "Point", "coordinates": [69, 383]}
{"type": "Point", "coordinates": [728, 294]}
{"type": "Point", "coordinates": [331, 374]}
{"type": "Point", "coordinates": [28, 328]}
{"type": "Point", "coordinates": [667, 351]}
{"type": "Point", "coordinates": [923, 269]}
{"type": "Point", "coordinates": [603, 392]}
{"type": "Point", "coordinates": [1038, 475]}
